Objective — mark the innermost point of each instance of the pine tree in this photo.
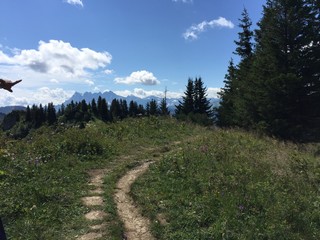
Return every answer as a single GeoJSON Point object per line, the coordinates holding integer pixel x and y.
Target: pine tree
{"type": "Point", "coordinates": [94, 108]}
{"type": "Point", "coordinates": [244, 44]}
{"type": "Point", "coordinates": [141, 110]}
{"type": "Point", "coordinates": [28, 114]}
{"type": "Point", "coordinates": [201, 103]}
{"type": "Point", "coordinates": [124, 108]}
{"type": "Point", "coordinates": [133, 108]}
{"type": "Point", "coordinates": [187, 105]}
{"type": "Point", "coordinates": [195, 106]}
{"type": "Point", "coordinates": [51, 114]}
{"type": "Point", "coordinates": [164, 111]}
{"type": "Point", "coordinates": [284, 67]}
{"type": "Point", "coordinates": [115, 109]}
{"type": "Point", "coordinates": [226, 110]}
{"type": "Point", "coordinates": [163, 107]}
{"type": "Point", "coordinates": [104, 111]}
{"type": "Point", "coordinates": [154, 110]}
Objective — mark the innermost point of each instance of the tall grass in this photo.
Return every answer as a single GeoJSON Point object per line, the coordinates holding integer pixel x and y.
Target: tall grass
{"type": "Point", "coordinates": [233, 185]}
{"type": "Point", "coordinates": [44, 176]}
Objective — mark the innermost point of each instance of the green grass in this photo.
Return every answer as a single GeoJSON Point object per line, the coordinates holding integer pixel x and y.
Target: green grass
{"type": "Point", "coordinates": [44, 176]}
{"type": "Point", "coordinates": [206, 184]}
{"type": "Point", "coordinates": [233, 185]}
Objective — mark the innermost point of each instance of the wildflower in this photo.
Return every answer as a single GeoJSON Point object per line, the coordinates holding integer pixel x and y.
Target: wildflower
{"type": "Point", "coordinates": [241, 208]}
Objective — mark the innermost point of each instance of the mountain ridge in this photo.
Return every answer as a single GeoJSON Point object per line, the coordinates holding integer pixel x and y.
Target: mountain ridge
{"type": "Point", "coordinates": [109, 96]}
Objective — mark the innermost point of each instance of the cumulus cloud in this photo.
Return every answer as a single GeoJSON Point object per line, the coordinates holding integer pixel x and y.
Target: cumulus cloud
{"type": "Point", "coordinates": [58, 58]}
{"type": "Point", "coordinates": [141, 93]}
{"type": "Point", "coordinates": [213, 92]}
{"type": "Point", "coordinates": [53, 80]}
{"type": "Point", "coordinates": [140, 77]}
{"type": "Point", "coordinates": [108, 71]}
{"type": "Point", "coordinates": [42, 95]}
{"type": "Point", "coordinates": [192, 33]}
{"type": "Point", "coordinates": [75, 2]}
{"type": "Point", "coordinates": [89, 82]}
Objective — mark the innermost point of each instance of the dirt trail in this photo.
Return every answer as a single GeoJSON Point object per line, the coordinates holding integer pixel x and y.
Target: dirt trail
{"type": "Point", "coordinates": [93, 201]}
{"type": "Point", "coordinates": [136, 226]}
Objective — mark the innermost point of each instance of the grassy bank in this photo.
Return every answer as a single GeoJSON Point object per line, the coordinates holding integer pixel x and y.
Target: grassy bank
{"type": "Point", "coordinates": [44, 176]}
{"type": "Point", "coordinates": [233, 185]}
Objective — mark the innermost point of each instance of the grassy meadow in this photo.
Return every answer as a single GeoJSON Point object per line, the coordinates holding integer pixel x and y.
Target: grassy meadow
{"type": "Point", "coordinates": [205, 183]}
{"type": "Point", "coordinates": [228, 184]}
{"type": "Point", "coordinates": [44, 176]}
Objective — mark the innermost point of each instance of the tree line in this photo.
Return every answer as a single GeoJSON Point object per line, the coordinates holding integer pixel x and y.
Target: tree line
{"type": "Point", "coordinates": [21, 122]}
{"type": "Point", "coordinates": [194, 107]}
{"type": "Point", "coordinates": [275, 87]}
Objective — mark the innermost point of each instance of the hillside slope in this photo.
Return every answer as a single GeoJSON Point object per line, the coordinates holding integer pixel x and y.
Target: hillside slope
{"type": "Point", "coordinates": [233, 185]}
{"type": "Point", "coordinates": [206, 183]}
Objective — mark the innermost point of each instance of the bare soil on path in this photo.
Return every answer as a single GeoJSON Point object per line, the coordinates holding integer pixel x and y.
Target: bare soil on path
{"type": "Point", "coordinates": [136, 226]}
{"type": "Point", "coordinates": [92, 201]}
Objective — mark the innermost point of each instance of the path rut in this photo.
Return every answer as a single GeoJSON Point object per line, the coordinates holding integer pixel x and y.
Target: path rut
{"type": "Point", "coordinates": [137, 227]}
{"type": "Point", "coordinates": [92, 201]}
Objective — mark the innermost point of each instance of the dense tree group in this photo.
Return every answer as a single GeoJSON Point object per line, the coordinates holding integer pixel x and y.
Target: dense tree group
{"type": "Point", "coordinates": [275, 87]}
{"type": "Point", "coordinates": [194, 105]}
{"type": "Point", "coordinates": [20, 122]}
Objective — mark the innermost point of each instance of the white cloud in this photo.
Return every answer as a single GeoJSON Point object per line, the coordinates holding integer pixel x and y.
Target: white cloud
{"type": "Point", "coordinates": [75, 2]}
{"type": "Point", "coordinates": [53, 80]}
{"type": "Point", "coordinates": [108, 71]}
{"type": "Point", "coordinates": [140, 77]}
{"type": "Point", "coordinates": [58, 58]}
{"type": "Point", "coordinates": [46, 95]}
{"type": "Point", "coordinates": [141, 93]}
{"type": "Point", "coordinates": [193, 32]}
{"type": "Point", "coordinates": [213, 92]}
{"type": "Point", "coordinates": [42, 95]}
{"type": "Point", "coordinates": [89, 82]}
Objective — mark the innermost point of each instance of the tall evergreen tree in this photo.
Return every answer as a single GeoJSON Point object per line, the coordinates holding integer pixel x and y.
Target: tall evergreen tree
{"type": "Point", "coordinates": [201, 103]}
{"type": "Point", "coordinates": [236, 106]}
{"type": "Point", "coordinates": [28, 114]}
{"type": "Point", "coordinates": [195, 106]}
{"type": "Point", "coordinates": [133, 108]}
{"type": "Point", "coordinates": [115, 109]}
{"type": "Point", "coordinates": [226, 110]}
{"type": "Point", "coordinates": [284, 68]}
{"type": "Point", "coordinates": [51, 114]}
{"type": "Point", "coordinates": [244, 44]}
{"type": "Point", "coordinates": [103, 110]}
{"type": "Point", "coordinates": [187, 104]}
{"type": "Point", "coordinates": [124, 108]}
{"type": "Point", "coordinates": [94, 107]}
{"type": "Point", "coordinates": [164, 111]}
{"type": "Point", "coordinates": [154, 110]}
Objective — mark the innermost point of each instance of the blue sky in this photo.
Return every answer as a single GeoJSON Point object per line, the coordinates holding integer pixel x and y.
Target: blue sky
{"type": "Point", "coordinates": [137, 47]}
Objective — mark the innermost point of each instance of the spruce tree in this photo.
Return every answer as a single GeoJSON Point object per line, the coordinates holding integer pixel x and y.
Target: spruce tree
{"type": "Point", "coordinates": [164, 111]}
{"type": "Point", "coordinates": [51, 114]}
{"type": "Point", "coordinates": [187, 105]}
{"type": "Point", "coordinates": [133, 108]}
{"type": "Point", "coordinates": [153, 107]}
{"type": "Point", "coordinates": [94, 108]}
{"type": "Point", "coordinates": [285, 67]}
{"type": "Point", "coordinates": [201, 103]}
{"type": "Point", "coordinates": [103, 110]}
{"type": "Point", "coordinates": [226, 109]}
{"type": "Point", "coordinates": [115, 109]}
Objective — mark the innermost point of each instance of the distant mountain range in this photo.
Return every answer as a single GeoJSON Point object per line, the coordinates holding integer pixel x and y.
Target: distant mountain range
{"type": "Point", "coordinates": [109, 96]}
{"type": "Point", "coordinates": [6, 110]}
